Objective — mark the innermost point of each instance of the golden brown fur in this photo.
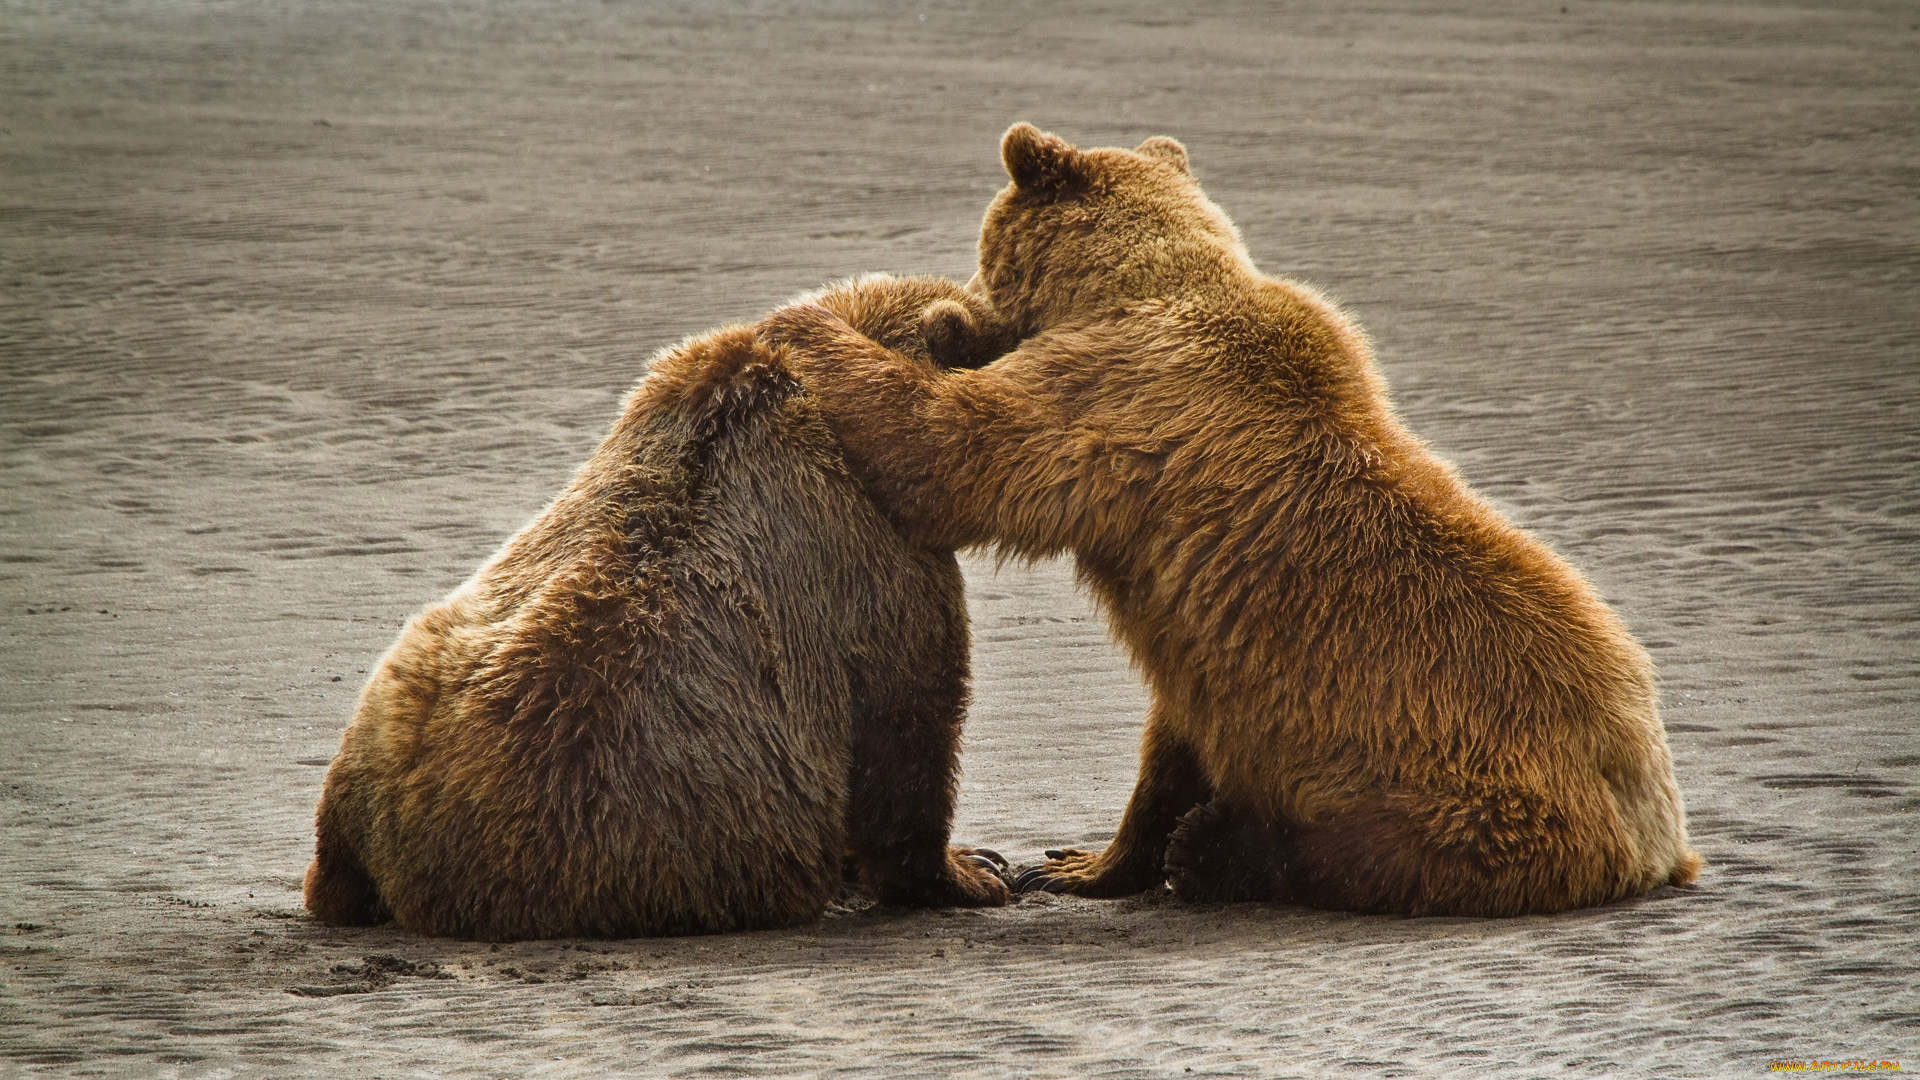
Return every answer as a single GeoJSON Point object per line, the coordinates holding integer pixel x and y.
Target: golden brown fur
{"type": "Point", "coordinates": [674, 700]}
{"type": "Point", "coordinates": [1369, 690]}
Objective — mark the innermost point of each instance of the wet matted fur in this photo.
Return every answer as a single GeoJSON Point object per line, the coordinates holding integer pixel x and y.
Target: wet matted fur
{"type": "Point", "coordinates": [1369, 690]}
{"type": "Point", "coordinates": [673, 701]}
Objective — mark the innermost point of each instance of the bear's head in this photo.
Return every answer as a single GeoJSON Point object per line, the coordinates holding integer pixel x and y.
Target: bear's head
{"type": "Point", "coordinates": [1079, 231]}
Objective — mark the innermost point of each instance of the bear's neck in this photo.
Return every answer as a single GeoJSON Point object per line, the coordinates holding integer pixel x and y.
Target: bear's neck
{"type": "Point", "coordinates": [1202, 269]}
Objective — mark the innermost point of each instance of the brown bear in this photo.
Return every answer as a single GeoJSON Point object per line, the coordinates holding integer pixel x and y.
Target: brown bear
{"type": "Point", "coordinates": [1369, 691]}
{"type": "Point", "coordinates": [675, 700]}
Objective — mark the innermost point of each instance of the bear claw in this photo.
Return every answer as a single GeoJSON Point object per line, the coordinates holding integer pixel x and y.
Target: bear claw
{"type": "Point", "coordinates": [1042, 879]}
{"type": "Point", "coordinates": [1032, 878]}
{"type": "Point", "coordinates": [989, 855]}
{"type": "Point", "coordinates": [998, 870]}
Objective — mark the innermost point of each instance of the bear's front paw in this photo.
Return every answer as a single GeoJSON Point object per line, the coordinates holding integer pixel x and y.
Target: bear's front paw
{"type": "Point", "coordinates": [1084, 873]}
{"type": "Point", "coordinates": [951, 334]}
{"type": "Point", "coordinates": [981, 877]}
{"type": "Point", "coordinates": [967, 877]}
{"type": "Point", "coordinates": [960, 337]}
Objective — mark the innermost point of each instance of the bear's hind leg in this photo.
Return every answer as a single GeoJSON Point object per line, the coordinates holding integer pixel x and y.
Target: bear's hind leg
{"type": "Point", "coordinates": [1483, 850]}
{"type": "Point", "coordinates": [1226, 855]}
{"type": "Point", "coordinates": [338, 888]}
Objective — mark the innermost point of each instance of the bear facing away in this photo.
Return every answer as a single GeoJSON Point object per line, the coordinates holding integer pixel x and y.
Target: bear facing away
{"type": "Point", "coordinates": [680, 696]}
{"type": "Point", "coordinates": [1369, 691]}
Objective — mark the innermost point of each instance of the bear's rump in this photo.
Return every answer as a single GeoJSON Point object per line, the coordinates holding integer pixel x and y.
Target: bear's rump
{"type": "Point", "coordinates": [1465, 847]}
{"type": "Point", "coordinates": [638, 791]}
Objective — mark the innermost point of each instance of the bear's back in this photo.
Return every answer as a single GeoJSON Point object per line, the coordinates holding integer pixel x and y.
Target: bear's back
{"type": "Point", "coordinates": [643, 705]}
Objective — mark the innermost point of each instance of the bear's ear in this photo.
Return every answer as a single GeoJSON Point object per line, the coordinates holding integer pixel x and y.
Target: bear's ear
{"type": "Point", "coordinates": [1039, 162]}
{"type": "Point", "coordinates": [1161, 148]}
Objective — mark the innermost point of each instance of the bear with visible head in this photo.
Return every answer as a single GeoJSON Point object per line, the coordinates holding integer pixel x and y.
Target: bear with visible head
{"type": "Point", "coordinates": [1369, 691]}
{"type": "Point", "coordinates": [674, 702]}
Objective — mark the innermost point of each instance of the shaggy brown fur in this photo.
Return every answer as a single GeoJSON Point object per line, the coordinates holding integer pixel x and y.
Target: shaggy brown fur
{"type": "Point", "coordinates": [1369, 690]}
{"type": "Point", "coordinates": [673, 701]}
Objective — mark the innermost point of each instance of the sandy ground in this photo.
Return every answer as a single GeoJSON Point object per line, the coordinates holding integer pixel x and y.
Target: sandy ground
{"type": "Point", "coordinates": [304, 306]}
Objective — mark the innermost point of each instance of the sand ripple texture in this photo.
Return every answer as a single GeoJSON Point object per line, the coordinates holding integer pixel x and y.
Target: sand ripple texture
{"type": "Point", "coordinates": [304, 307]}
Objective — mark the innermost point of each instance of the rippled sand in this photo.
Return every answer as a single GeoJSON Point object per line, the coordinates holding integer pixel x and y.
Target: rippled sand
{"type": "Point", "coordinates": [305, 306]}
